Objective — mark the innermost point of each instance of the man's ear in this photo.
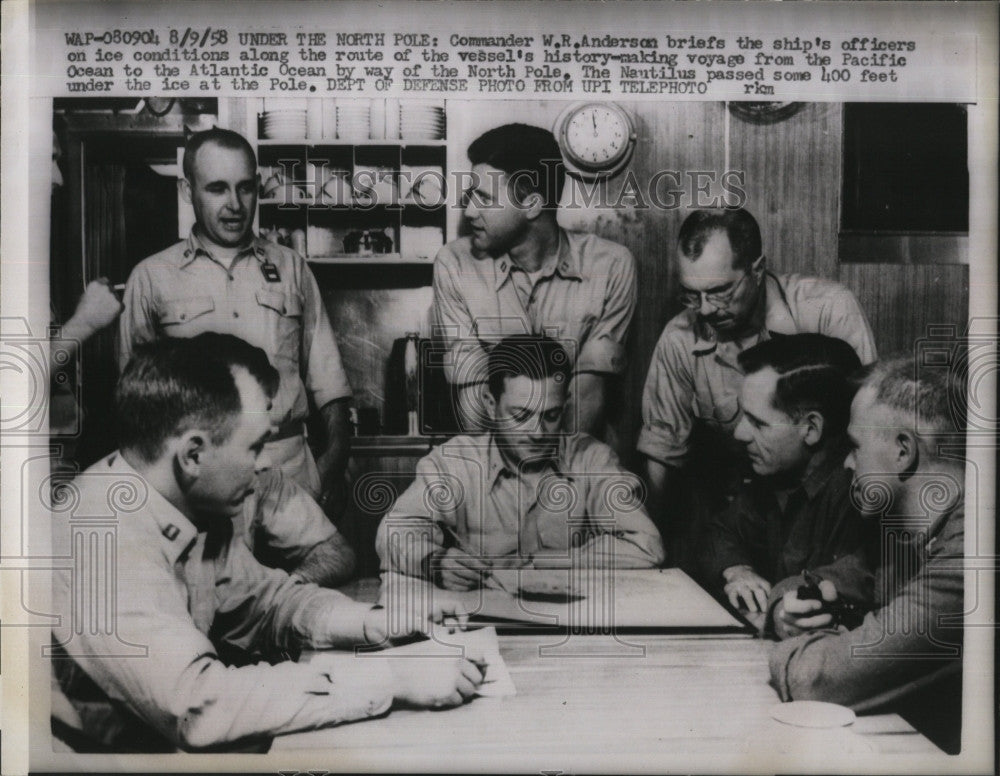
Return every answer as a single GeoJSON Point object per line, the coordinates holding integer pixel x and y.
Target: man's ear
{"type": "Point", "coordinates": [184, 187]}
{"type": "Point", "coordinates": [190, 452]}
{"type": "Point", "coordinates": [759, 266]}
{"type": "Point", "coordinates": [533, 205]}
{"type": "Point", "coordinates": [906, 458]}
{"type": "Point", "coordinates": [813, 423]}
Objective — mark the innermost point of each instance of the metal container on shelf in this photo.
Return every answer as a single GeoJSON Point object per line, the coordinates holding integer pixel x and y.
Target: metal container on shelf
{"type": "Point", "coordinates": [411, 369]}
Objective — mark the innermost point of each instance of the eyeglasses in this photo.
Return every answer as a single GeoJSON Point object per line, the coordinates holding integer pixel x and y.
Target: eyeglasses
{"type": "Point", "coordinates": [718, 299]}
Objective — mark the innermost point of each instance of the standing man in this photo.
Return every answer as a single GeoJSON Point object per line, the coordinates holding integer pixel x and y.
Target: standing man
{"type": "Point", "coordinates": [520, 273]}
{"type": "Point", "coordinates": [690, 401]}
{"type": "Point", "coordinates": [191, 600]}
{"type": "Point", "coordinates": [906, 655]}
{"type": "Point", "coordinates": [223, 278]}
{"type": "Point", "coordinates": [795, 513]}
{"type": "Point", "coordinates": [499, 500]}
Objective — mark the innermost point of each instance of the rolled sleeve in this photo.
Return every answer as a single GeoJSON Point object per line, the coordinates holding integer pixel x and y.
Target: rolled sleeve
{"type": "Point", "coordinates": [325, 378]}
{"type": "Point", "coordinates": [137, 324]}
{"type": "Point", "coordinates": [604, 350]}
{"type": "Point", "coordinates": [465, 362]}
{"type": "Point", "coordinates": [667, 398]}
{"type": "Point", "coordinates": [286, 522]}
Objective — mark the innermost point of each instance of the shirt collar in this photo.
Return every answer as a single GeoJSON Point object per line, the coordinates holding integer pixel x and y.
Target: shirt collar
{"type": "Point", "coordinates": [566, 263]}
{"type": "Point", "coordinates": [194, 247]}
{"type": "Point", "coordinates": [777, 320]}
{"type": "Point", "coordinates": [827, 462]}
{"type": "Point", "coordinates": [497, 464]}
{"type": "Point", "coordinates": [176, 533]}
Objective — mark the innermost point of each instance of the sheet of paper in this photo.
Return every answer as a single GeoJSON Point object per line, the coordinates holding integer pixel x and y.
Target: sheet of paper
{"type": "Point", "coordinates": [478, 644]}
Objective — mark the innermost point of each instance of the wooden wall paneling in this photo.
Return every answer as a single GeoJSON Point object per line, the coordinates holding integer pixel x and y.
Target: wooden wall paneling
{"type": "Point", "coordinates": [903, 300]}
{"type": "Point", "coordinates": [684, 137]}
{"type": "Point", "coordinates": [793, 182]}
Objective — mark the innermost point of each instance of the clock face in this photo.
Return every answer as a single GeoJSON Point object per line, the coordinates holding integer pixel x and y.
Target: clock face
{"type": "Point", "coordinates": [596, 136]}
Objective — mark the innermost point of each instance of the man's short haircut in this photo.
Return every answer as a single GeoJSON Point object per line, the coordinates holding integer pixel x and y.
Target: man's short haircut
{"type": "Point", "coordinates": [535, 356]}
{"type": "Point", "coordinates": [529, 155]}
{"type": "Point", "coordinates": [932, 400]}
{"type": "Point", "coordinates": [224, 138]}
{"type": "Point", "coordinates": [814, 374]}
{"type": "Point", "coordinates": [174, 385]}
{"type": "Point", "coordinates": [738, 225]}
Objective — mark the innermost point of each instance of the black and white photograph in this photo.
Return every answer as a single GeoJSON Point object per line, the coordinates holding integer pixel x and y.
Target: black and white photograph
{"type": "Point", "coordinates": [525, 387]}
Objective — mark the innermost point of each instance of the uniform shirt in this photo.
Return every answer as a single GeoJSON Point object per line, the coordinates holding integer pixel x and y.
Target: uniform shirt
{"type": "Point", "coordinates": [183, 291]}
{"type": "Point", "coordinates": [282, 523]}
{"type": "Point", "coordinates": [817, 526]}
{"type": "Point", "coordinates": [181, 596]}
{"type": "Point", "coordinates": [586, 294]}
{"type": "Point", "coordinates": [907, 651]}
{"type": "Point", "coordinates": [693, 377]}
{"type": "Point", "coordinates": [465, 490]}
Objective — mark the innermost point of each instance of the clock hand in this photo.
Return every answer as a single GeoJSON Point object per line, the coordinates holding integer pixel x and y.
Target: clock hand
{"type": "Point", "coordinates": [593, 118]}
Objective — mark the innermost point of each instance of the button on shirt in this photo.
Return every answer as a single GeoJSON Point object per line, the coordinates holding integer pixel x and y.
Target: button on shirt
{"type": "Point", "coordinates": [183, 291]}
{"type": "Point", "coordinates": [585, 294]}
{"type": "Point", "coordinates": [180, 593]}
{"type": "Point", "coordinates": [693, 377]}
{"type": "Point", "coordinates": [465, 490]}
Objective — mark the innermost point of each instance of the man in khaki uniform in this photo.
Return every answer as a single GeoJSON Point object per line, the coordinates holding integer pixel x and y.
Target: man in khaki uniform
{"type": "Point", "coordinates": [222, 278]}
{"type": "Point", "coordinates": [175, 661]}
{"type": "Point", "coordinates": [518, 272]}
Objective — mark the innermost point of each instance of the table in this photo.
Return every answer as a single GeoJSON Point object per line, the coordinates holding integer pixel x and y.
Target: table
{"type": "Point", "coordinates": [641, 701]}
{"type": "Point", "coordinates": [632, 600]}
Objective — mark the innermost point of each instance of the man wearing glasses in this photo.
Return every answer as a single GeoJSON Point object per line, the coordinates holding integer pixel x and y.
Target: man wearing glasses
{"type": "Point", "coordinates": [690, 404]}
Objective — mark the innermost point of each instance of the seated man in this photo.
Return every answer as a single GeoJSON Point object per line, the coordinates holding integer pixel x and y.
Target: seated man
{"type": "Point", "coordinates": [905, 656]}
{"type": "Point", "coordinates": [690, 400]}
{"type": "Point", "coordinates": [795, 512]}
{"type": "Point", "coordinates": [283, 524]}
{"type": "Point", "coordinates": [146, 673]}
{"type": "Point", "coordinates": [523, 494]}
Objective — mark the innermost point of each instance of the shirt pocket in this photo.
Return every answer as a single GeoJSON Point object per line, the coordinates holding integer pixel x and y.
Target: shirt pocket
{"type": "Point", "coordinates": [180, 313]}
{"type": "Point", "coordinates": [718, 407]}
{"type": "Point", "coordinates": [281, 314]}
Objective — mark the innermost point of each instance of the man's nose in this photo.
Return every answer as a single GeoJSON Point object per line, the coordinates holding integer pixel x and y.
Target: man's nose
{"type": "Point", "coordinates": [849, 462]}
{"type": "Point", "coordinates": [705, 308]}
{"type": "Point", "coordinates": [234, 203]}
{"type": "Point", "coordinates": [263, 461]}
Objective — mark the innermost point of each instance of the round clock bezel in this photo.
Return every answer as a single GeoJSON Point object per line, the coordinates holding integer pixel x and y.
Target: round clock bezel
{"type": "Point", "coordinates": [580, 168]}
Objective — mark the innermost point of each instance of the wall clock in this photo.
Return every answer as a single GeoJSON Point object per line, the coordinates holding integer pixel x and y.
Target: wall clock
{"type": "Point", "coordinates": [597, 139]}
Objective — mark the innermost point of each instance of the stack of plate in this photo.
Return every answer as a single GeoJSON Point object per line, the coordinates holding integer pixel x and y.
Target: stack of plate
{"type": "Point", "coordinates": [285, 124]}
{"type": "Point", "coordinates": [353, 119]}
{"type": "Point", "coordinates": [420, 121]}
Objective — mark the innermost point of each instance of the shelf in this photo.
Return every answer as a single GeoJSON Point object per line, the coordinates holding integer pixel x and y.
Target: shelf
{"type": "Point", "coordinates": [378, 258]}
{"type": "Point", "coordinates": [408, 204]}
{"type": "Point", "coordinates": [394, 141]}
{"type": "Point", "coordinates": [395, 445]}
